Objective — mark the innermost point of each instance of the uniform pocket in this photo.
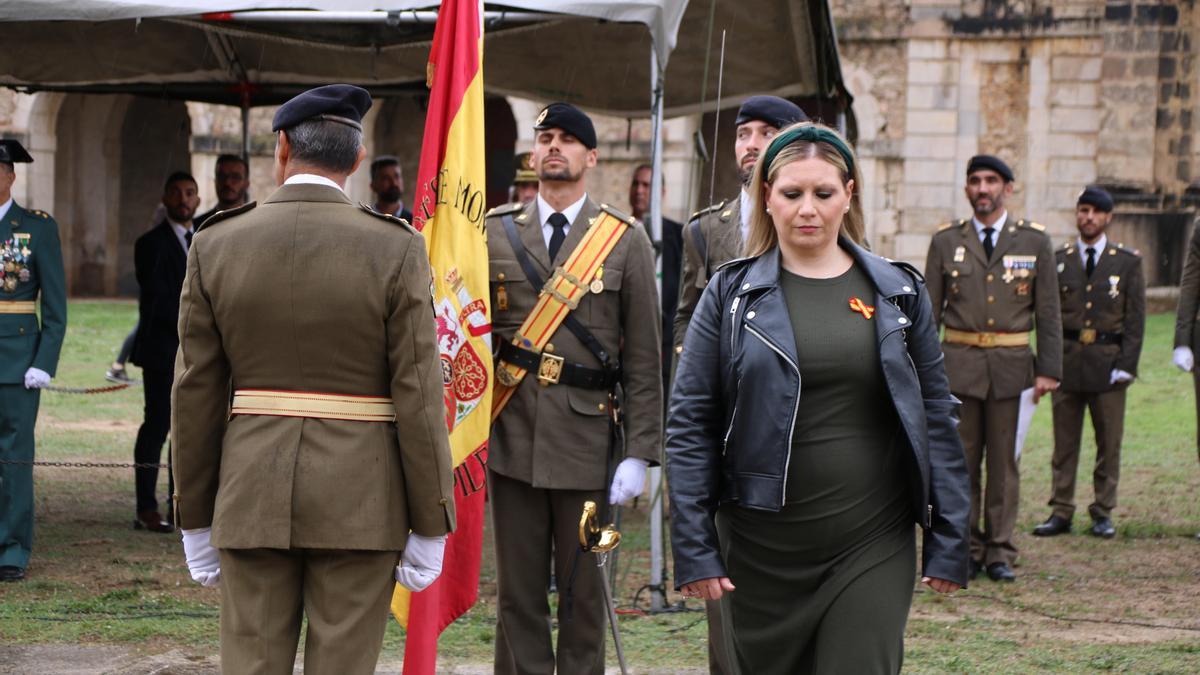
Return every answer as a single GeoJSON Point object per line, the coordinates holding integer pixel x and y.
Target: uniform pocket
{"type": "Point", "coordinates": [953, 272]}
{"type": "Point", "coordinates": [590, 402]}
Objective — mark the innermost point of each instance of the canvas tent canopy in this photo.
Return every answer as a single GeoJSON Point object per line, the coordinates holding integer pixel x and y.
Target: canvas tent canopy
{"type": "Point", "coordinates": [593, 53]}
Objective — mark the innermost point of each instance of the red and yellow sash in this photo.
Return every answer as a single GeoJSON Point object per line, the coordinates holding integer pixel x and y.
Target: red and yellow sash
{"type": "Point", "coordinates": [560, 294]}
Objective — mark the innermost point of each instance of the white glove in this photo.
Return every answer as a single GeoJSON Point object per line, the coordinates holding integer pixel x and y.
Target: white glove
{"type": "Point", "coordinates": [421, 562]}
{"type": "Point", "coordinates": [628, 480]}
{"type": "Point", "coordinates": [1184, 360]}
{"type": "Point", "coordinates": [202, 559]}
{"type": "Point", "coordinates": [36, 378]}
{"type": "Point", "coordinates": [1117, 376]}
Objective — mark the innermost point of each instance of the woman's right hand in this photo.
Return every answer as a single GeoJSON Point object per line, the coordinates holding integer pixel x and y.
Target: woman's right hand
{"type": "Point", "coordinates": [708, 589]}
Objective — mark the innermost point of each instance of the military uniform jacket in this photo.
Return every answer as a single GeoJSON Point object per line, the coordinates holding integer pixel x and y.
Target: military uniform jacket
{"type": "Point", "coordinates": [23, 342]}
{"type": "Point", "coordinates": [1014, 292]}
{"type": "Point", "coordinates": [720, 226]}
{"type": "Point", "coordinates": [1188, 311]}
{"type": "Point", "coordinates": [557, 436]}
{"type": "Point", "coordinates": [308, 292]}
{"type": "Point", "coordinates": [1112, 300]}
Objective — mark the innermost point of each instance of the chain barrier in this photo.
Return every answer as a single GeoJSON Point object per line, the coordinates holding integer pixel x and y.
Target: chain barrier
{"type": "Point", "coordinates": [87, 390]}
{"type": "Point", "coordinates": [86, 465]}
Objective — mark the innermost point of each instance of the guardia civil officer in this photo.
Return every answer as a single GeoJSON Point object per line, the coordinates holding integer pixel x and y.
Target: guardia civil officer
{"type": "Point", "coordinates": [1103, 298]}
{"type": "Point", "coordinates": [315, 314]}
{"type": "Point", "coordinates": [992, 281]}
{"type": "Point", "coordinates": [558, 441]}
{"type": "Point", "coordinates": [1187, 314]}
{"type": "Point", "coordinates": [31, 269]}
{"type": "Point", "coordinates": [714, 236]}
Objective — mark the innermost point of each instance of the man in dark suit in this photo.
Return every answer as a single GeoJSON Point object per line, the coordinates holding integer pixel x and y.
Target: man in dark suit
{"type": "Point", "coordinates": [159, 259]}
{"type": "Point", "coordinates": [387, 182]}
{"type": "Point", "coordinates": [670, 248]}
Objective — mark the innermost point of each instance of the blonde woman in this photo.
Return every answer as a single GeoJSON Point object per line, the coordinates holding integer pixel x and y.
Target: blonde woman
{"type": "Point", "coordinates": [811, 425]}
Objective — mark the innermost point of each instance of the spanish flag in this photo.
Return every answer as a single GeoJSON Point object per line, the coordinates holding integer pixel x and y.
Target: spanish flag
{"type": "Point", "coordinates": [449, 206]}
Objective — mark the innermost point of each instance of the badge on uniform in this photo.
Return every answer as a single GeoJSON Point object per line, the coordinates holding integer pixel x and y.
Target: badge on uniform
{"type": "Point", "coordinates": [501, 298]}
{"type": "Point", "coordinates": [960, 253]}
{"type": "Point", "coordinates": [861, 307]}
{"type": "Point", "coordinates": [14, 264]}
{"type": "Point", "coordinates": [1019, 267]}
{"type": "Point", "coordinates": [597, 285]}
{"type": "Point", "coordinates": [1023, 288]}
{"type": "Point", "coordinates": [1113, 291]}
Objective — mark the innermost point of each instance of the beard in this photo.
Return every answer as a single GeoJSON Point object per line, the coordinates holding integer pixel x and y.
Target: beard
{"type": "Point", "coordinates": [983, 209]}
{"type": "Point", "coordinates": [181, 213]}
{"type": "Point", "coordinates": [562, 172]}
{"type": "Point", "coordinates": [392, 194]}
{"type": "Point", "coordinates": [230, 196]}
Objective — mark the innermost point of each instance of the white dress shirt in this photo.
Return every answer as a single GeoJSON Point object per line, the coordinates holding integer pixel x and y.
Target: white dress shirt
{"type": "Point", "coordinates": [181, 233]}
{"type": "Point", "coordinates": [1099, 246]}
{"type": "Point", "coordinates": [545, 211]}
{"type": "Point", "coordinates": [5, 207]}
{"type": "Point", "coordinates": [311, 179]}
{"type": "Point", "coordinates": [998, 225]}
{"type": "Point", "coordinates": [744, 215]}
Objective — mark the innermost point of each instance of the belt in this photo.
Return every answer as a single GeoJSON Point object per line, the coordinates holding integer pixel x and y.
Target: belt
{"type": "Point", "coordinates": [1089, 336]}
{"type": "Point", "coordinates": [986, 340]}
{"type": "Point", "coordinates": [313, 404]}
{"type": "Point", "coordinates": [18, 307]}
{"type": "Point", "coordinates": [553, 369]}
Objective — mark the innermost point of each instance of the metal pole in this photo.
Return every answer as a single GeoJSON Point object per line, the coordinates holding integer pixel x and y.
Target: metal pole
{"type": "Point", "coordinates": [657, 558]}
{"type": "Point", "coordinates": [246, 128]}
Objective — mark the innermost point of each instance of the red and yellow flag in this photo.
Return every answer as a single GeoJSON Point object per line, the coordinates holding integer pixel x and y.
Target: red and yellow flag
{"type": "Point", "coordinates": [449, 206]}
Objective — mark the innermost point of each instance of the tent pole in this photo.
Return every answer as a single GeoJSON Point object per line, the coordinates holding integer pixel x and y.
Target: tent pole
{"type": "Point", "coordinates": [657, 558]}
{"type": "Point", "coordinates": [246, 128]}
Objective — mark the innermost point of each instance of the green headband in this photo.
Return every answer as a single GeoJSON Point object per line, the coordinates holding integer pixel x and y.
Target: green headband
{"type": "Point", "coordinates": [813, 134]}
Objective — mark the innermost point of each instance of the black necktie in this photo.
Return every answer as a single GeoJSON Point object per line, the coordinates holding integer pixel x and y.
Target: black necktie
{"type": "Point", "coordinates": [1091, 260]}
{"type": "Point", "coordinates": [559, 222]}
{"type": "Point", "coordinates": [187, 236]}
{"type": "Point", "coordinates": [988, 247]}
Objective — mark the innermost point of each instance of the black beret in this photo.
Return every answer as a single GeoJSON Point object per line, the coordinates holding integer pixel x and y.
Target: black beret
{"type": "Point", "coordinates": [12, 152]}
{"type": "Point", "coordinates": [1097, 197]}
{"type": "Point", "coordinates": [344, 103]}
{"type": "Point", "coordinates": [570, 119]}
{"type": "Point", "coordinates": [773, 110]}
{"type": "Point", "coordinates": [991, 162]}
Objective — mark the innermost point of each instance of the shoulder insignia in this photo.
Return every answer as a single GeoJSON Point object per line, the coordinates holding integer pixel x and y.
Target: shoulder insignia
{"type": "Point", "coordinates": [390, 218]}
{"type": "Point", "coordinates": [1029, 223]}
{"type": "Point", "coordinates": [708, 209]}
{"type": "Point", "coordinates": [1131, 251]}
{"type": "Point", "coordinates": [1066, 245]}
{"type": "Point", "coordinates": [615, 213]}
{"type": "Point", "coordinates": [505, 209]}
{"type": "Point", "coordinates": [945, 226]}
{"type": "Point", "coordinates": [40, 214]}
{"type": "Point", "coordinates": [225, 215]}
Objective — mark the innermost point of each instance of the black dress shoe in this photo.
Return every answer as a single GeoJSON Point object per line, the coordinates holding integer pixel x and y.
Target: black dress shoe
{"type": "Point", "coordinates": [974, 568]}
{"type": "Point", "coordinates": [151, 520]}
{"type": "Point", "coordinates": [11, 573]}
{"type": "Point", "coordinates": [1000, 572]}
{"type": "Point", "coordinates": [1103, 528]}
{"type": "Point", "coordinates": [1054, 525]}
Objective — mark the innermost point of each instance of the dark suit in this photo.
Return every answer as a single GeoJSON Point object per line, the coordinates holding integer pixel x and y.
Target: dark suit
{"type": "Point", "coordinates": [159, 262]}
{"type": "Point", "coordinates": [672, 268]}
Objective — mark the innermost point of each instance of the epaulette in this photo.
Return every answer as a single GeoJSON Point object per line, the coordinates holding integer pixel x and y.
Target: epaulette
{"type": "Point", "coordinates": [908, 267]}
{"type": "Point", "coordinates": [615, 213]}
{"type": "Point", "coordinates": [225, 215]}
{"type": "Point", "coordinates": [707, 209]}
{"type": "Point", "coordinates": [1029, 223]}
{"type": "Point", "coordinates": [1131, 251]}
{"type": "Point", "coordinates": [504, 209]}
{"type": "Point", "coordinates": [40, 214]}
{"type": "Point", "coordinates": [945, 226]}
{"type": "Point", "coordinates": [396, 220]}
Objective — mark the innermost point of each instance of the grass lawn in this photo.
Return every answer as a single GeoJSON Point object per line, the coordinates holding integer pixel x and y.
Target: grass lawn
{"type": "Point", "coordinates": [1080, 604]}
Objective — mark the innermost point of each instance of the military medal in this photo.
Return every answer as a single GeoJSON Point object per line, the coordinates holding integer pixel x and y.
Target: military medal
{"type": "Point", "coordinates": [597, 285]}
{"type": "Point", "coordinates": [1023, 288]}
{"type": "Point", "coordinates": [960, 253]}
{"type": "Point", "coordinates": [501, 298]}
{"type": "Point", "coordinates": [1113, 291]}
{"type": "Point", "coordinates": [859, 306]}
{"type": "Point", "coordinates": [1019, 267]}
{"type": "Point", "coordinates": [14, 264]}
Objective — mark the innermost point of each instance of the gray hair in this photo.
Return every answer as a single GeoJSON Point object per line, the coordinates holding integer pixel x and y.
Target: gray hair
{"type": "Point", "coordinates": [332, 146]}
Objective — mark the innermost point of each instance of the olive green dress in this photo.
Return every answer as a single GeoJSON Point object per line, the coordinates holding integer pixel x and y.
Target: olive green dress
{"type": "Point", "coordinates": [824, 585]}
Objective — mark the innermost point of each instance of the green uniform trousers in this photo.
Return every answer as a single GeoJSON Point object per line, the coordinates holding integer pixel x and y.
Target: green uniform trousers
{"type": "Point", "coordinates": [1108, 420]}
{"type": "Point", "coordinates": [265, 593]}
{"type": "Point", "coordinates": [988, 428]}
{"type": "Point", "coordinates": [18, 415]}
{"type": "Point", "coordinates": [525, 522]}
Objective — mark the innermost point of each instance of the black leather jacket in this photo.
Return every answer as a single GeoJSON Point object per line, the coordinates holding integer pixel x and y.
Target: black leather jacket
{"type": "Point", "coordinates": [737, 390]}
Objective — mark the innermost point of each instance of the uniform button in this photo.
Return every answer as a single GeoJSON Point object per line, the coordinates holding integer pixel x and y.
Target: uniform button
{"type": "Point", "coordinates": [21, 330]}
{"type": "Point", "coordinates": [500, 276]}
{"type": "Point", "coordinates": [679, 349]}
{"type": "Point", "coordinates": [1086, 288]}
{"type": "Point", "coordinates": [745, 287]}
{"type": "Point", "coordinates": [907, 289]}
{"type": "Point", "coordinates": [1064, 289]}
{"type": "Point", "coordinates": [601, 406]}
{"type": "Point", "coordinates": [954, 273]}
{"type": "Point", "coordinates": [750, 314]}
{"type": "Point", "coordinates": [442, 501]}
{"type": "Point", "coordinates": [991, 298]}
{"type": "Point", "coordinates": [1087, 322]}
{"type": "Point", "coordinates": [991, 322]}
{"type": "Point", "coordinates": [549, 348]}
{"type": "Point", "coordinates": [1088, 304]}
{"type": "Point", "coordinates": [991, 277]}
{"type": "Point", "coordinates": [902, 321]}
